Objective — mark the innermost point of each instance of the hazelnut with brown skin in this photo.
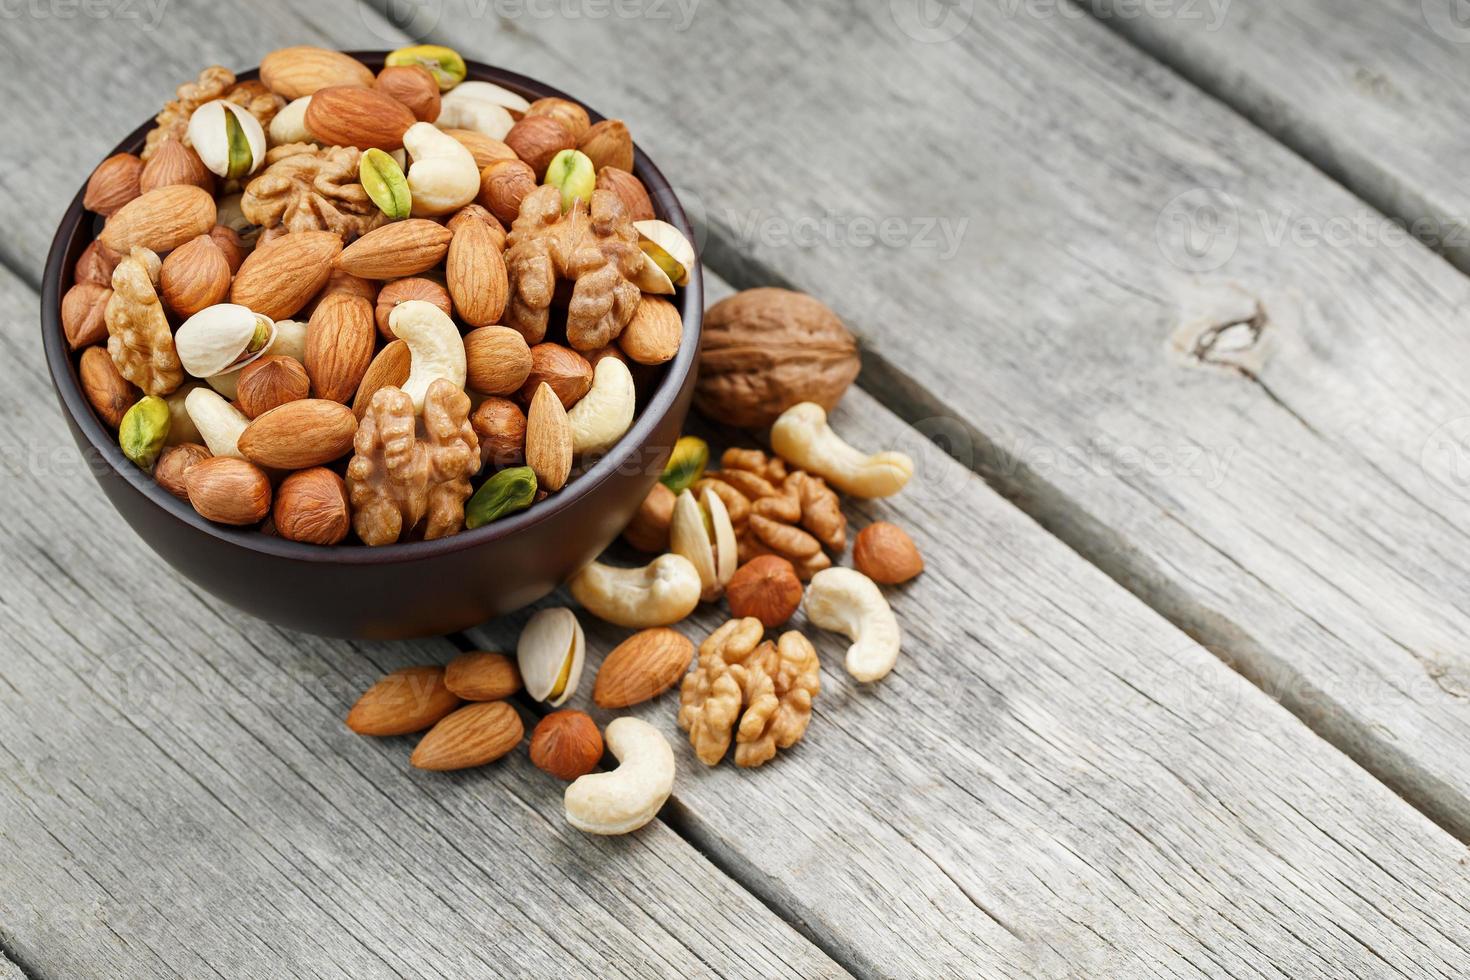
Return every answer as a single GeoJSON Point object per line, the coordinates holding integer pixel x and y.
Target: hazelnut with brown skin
{"type": "Point", "coordinates": [414, 87]}
{"type": "Point", "coordinates": [767, 588]}
{"type": "Point", "coordinates": [311, 506]}
{"type": "Point", "coordinates": [501, 427]}
{"type": "Point", "coordinates": [174, 463]}
{"type": "Point", "coordinates": [566, 744]}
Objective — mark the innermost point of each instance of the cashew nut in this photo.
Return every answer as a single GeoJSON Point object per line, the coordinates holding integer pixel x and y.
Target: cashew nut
{"type": "Point", "coordinates": [289, 125]}
{"type": "Point", "coordinates": [621, 801]}
{"type": "Point", "coordinates": [481, 107]}
{"type": "Point", "coordinates": [443, 177]}
{"type": "Point", "coordinates": [601, 417]}
{"type": "Point", "coordinates": [848, 602]}
{"type": "Point", "coordinates": [709, 546]}
{"type": "Point", "coordinates": [435, 347]}
{"type": "Point", "coordinates": [218, 422]}
{"type": "Point", "coordinates": [802, 436]}
{"type": "Point", "coordinates": [659, 594]}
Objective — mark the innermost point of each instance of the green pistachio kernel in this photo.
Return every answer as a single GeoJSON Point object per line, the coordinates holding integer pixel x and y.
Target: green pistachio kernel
{"type": "Point", "coordinates": [384, 182]}
{"type": "Point", "coordinates": [445, 64]}
{"type": "Point", "coordinates": [144, 429]}
{"type": "Point", "coordinates": [572, 172]}
{"type": "Point", "coordinates": [242, 158]}
{"type": "Point", "coordinates": [686, 465]}
{"type": "Point", "coordinates": [505, 493]}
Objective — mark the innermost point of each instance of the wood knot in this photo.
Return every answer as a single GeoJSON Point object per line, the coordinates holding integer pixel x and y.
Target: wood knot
{"type": "Point", "coordinates": [1223, 327]}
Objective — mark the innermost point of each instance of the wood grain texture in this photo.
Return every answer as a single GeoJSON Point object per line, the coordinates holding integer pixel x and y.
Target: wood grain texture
{"type": "Point", "coordinates": [1290, 496]}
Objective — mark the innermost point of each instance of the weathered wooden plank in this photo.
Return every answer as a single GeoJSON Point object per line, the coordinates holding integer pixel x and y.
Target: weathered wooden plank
{"type": "Point", "coordinates": [9, 971]}
{"type": "Point", "coordinates": [1010, 239]}
{"type": "Point", "coordinates": [1055, 782]}
{"type": "Point", "coordinates": [1375, 94]}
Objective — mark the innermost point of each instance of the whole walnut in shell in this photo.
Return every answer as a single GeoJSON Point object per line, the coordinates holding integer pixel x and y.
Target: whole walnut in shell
{"type": "Point", "coordinates": [308, 188]}
{"type": "Point", "coordinates": [768, 349]}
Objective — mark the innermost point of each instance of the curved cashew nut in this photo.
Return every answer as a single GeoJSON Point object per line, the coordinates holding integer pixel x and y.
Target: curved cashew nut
{"type": "Point", "coordinates": [435, 347]}
{"type": "Point", "coordinates": [481, 107]}
{"type": "Point", "coordinates": [219, 422]}
{"type": "Point", "coordinates": [848, 602]}
{"type": "Point", "coordinates": [659, 594]}
{"type": "Point", "coordinates": [802, 437]}
{"type": "Point", "coordinates": [602, 415]}
{"type": "Point", "coordinates": [621, 801]}
{"type": "Point", "coordinates": [289, 125]}
{"type": "Point", "coordinates": [443, 177]}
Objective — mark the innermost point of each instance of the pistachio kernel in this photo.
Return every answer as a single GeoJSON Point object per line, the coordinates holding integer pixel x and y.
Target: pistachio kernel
{"type": "Point", "coordinates": [144, 430]}
{"type": "Point", "coordinates": [383, 179]}
{"type": "Point", "coordinates": [445, 64]}
{"type": "Point", "coordinates": [686, 465]}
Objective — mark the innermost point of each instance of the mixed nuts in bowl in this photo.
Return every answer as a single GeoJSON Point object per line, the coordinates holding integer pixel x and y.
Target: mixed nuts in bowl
{"type": "Point", "coordinates": [376, 345]}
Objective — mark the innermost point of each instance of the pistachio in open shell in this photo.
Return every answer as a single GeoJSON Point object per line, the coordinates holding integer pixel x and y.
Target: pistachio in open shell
{"type": "Point", "coordinates": [223, 337]}
{"type": "Point", "coordinates": [227, 138]}
{"type": "Point", "coordinates": [549, 654]}
{"type": "Point", "coordinates": [668, 248]}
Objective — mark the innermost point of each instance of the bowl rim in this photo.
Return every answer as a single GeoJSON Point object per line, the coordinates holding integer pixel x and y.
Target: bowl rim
{"type": "Point", "coordinates": [103, 444]}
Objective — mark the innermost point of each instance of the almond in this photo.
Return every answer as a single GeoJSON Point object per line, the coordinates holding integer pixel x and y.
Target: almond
{"type": "Point", "coordinates": [472, 736]}
{"type": "Point", "coordinates": [281, 276]}
{"type": "Point", "coordinates": [174, 163]}
{"type": "Point", "coordinates": [485, 149]}
{"type": "Point", "coordinates": [548, 440]}
{"type": "Point", "coordinates": [174, 464]}
{"type": "Point", "coordinates": [630, 191]}
{"type": "Point", "coordinates": [475, 212]}
{"type": "Point", "coordinates": [311, 506]}
{"type": "Point", "coordinates": [767, 588]}
{"type": "Point", "coordinates": [572, 116]}
{"type": "Point", "coordinates": [195, 275]}
{"type": "Point", "coordinates": [483, 676]}
{"type": "Point", "coordinates": [339, 346]}
{"type": "Point", "coordinates": [270, 382]}
{"type": "Point", "coordinates": [654, 333]}
{"type": "Point", "coordinates": [299, 434]}
{"type": "Point", "coordinates": [642, 667]}
{"type": "Point", "coordinates": [566, 744]}
{"type": "Point", "coordinates": [304, 70]}
{"type": "Point", "coordinates": [82, 310]}
{"type": "Point", "coordinates": [567, 372]}
{"type": "Point", "coordinates": [388, 370]}
{"type": "Point", "coordinates": [497, 360]}
{"type": "Point", "coordinates": [608, 144]}
{"type": "Point", "coordinates": [406, 701]}
{"type": "Point", "coordinates": [109, 393]}
{"type": "Point", "coordinates": [344, 115]}
{"type": "Point", "coordinates": [503, 185]}
{"type": "Point", "coordinates": [403, 248]}
{"type": "Point", "coordinates": [229, 491]}
{"type": "Point", "coordinates": [413, 86]}
{"type": "Point", "coordinates": [160, 220]}
{"type": "Point", "coordinates": [403, 290]}
{"type": "Point", "coordinates": [475, 273]}
{"type": "Point", "coordinates": [886, 554]}
{"type": "Point", "coordinates": [231, 245]}
{"type": "Point", "coordinates": [536, 139]}
{"type": "Point", "coordinates": [115, 182]}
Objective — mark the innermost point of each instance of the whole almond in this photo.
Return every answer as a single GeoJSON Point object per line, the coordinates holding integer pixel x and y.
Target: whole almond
{"type": "Point", "coordinates": [886, 554]}
{"type": "Point", "coordinates": [548, 440]}
{"type": "Point", "coordinates": [115, 182]}
{"type": "Point", "coordinates": [500, 426]}
{"type": "Point", "coordinates": [270, 382]}
{"type": "Point", "coordinates": [566, 744]}
{"type": "Point", "coordinates": [345, 282]}
{"type": "Point", "coordinates": [406, 701]}
{"type": "Point", "coordinates": [475, 212]}
{"type": "Point", "coordinates": [311, 506]}
{"type": "Point", "coordinates": [654, 333]}
{"type": "Point", "coordinates": [642, 667]}
{"type": "Point", "coordinates": [476, 275]}
{"type": "Point", "coordinates": [339, 346]}
{"type": "Point", "coordinates": [160, 220]}
{"type": "Point", "coordinates": [403, 290]}
{"type": "Point", "coordinates": [482, 676]}
{"type": "Point", "coordinates": [567, 372]}
{"type": "Point", "coordinates": [82, 310]}
{"type": "Point", "coordinates": [388, 370]}
{"type": "Point", "coordinates": [630, 191]}
{"type": "Point", "coordinates": [503, 185]}
{"type": "Point", "coordinates": [304, 69]}
{"type": "Point", "coordinates": [573, 117]}
{"type": "Point", "coordinates": [282, 275]}
{"type": "Point", "coordinates": [413, 86]}
{"type": "Point", "coordinates": [767, 588]}
{"type": "Point", "coordinates": [497, 360]}
{"type": "Point", "coordinates": [402, 248]}
{"type": "Point", "coordinates": [194, 276]}
{"type": "Point", "coordinates": [472, 736]}
{"type": "Point", "coordinates": [608, 144]}
{"type": "Point", "coordinates": [174, 163]}
{"type": "Point", "coordinates": [173, 465]}
{"type": "Point", "coordinates": [231, 245]}
{"type": "Point", "coordinates": [108, 392]}
{"type": "Point", "coordinates": [485, 149]}
{"type": "Point", "coordinates": [296, 435]}
{"type": "Point", "coordinates": [96, 265]}
{"type": "Point", "coordinates": [536, 139]}
{"type": "Point", "coordinates": [345, 115]}
{"type": "Point", "coordinates": [227, 490]}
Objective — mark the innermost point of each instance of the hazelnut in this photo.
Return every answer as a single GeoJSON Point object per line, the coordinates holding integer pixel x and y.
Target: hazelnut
{"type": "Point", "coordinates": [311, 506]}
{"type": "Point", "coordinates": [608, 144]}
{"type": "Point", "coordinates": [886, 554]}
{"type": "Point", "coordinates": [566, 371]}
{"type": "Point", "coordinates": [270, 382]}
{"type": "Point", "coordinates": [572, 116]}
{"type": "Point", "coordinates": [497, 360]}
{"type": "Point", "coordinates": [648, 531]}
{"type": "Point", "coordinates": [82, 310]}
{"type": "Point", "coordinates": [414, 87]}
{"type": "Point", "coordinates": [536, 139]}
{"type": "Point", "coordinates": [503, 185]}
{"type": "Point", "coordinates": [109, 393]}
{"type": "Point", "coordinates": [175, 462]}
{"type": "Point", "coordinates": [229, 491]}
{"type": "Point", "coordinates": [501, 427]}
{"type": "Point", "coordinates": [403, 290]}
{"type": "Point", "coordinates": [196, 275]}
{"type": "Point", "coordinates": [114, 183]}
{"type": "Point", "coordinates": [566, 744]}
{"type": "Point", "coordinates": [231, 244]}
{"type": "Point", "coordinates": [655, 332]}
{"type": "Point", "coordinates": [630, 191]}
{"type": "Point", "coordinates": [767, 588]}
{"type": "Point", "coordinates": [96, 265]}
{"type": "Point", "coordinates": [174, 163]}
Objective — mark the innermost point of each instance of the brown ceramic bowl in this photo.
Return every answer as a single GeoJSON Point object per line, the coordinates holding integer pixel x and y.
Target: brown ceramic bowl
{"type": "Point", "coordinates": [412, 589]}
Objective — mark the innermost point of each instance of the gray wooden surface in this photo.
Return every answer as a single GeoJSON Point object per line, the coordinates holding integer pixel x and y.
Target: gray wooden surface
{"type": "Point", "coordinates": [1056, 781]}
